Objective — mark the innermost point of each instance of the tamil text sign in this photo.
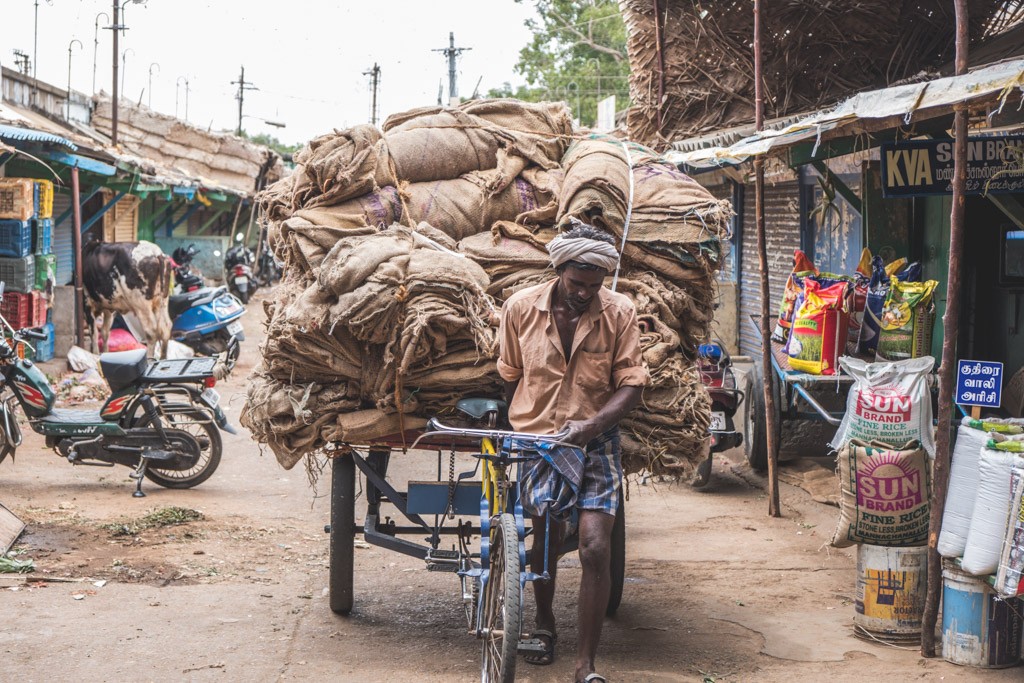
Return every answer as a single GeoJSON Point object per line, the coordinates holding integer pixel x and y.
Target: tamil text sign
{"type": "Point", "coordinates": [925, 167]}
{"type": "Point", "coordinates": [979, 383]}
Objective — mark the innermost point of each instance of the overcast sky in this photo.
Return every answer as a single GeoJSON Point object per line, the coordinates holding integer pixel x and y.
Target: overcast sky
{"type": "Point", "coordinates": [307, 58]}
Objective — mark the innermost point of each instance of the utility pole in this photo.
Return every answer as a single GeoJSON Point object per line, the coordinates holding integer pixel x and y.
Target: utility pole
{"type": "Point", "coordinates": [116, 29]}
{"type": "Point", "coordinates": [374, 75]}
{"type": "Point", "coordinates": [21, 59]}
{"type": "Point", "coordinates": [242, 87]}
{"type": "Point", "coordinates": [452, 52]}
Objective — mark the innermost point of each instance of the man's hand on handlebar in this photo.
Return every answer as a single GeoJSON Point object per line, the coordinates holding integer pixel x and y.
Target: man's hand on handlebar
{"type": "Point", "coordinates": [579, 432]}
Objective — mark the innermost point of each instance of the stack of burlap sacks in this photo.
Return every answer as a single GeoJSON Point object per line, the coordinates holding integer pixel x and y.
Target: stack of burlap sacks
{"type": "Point", "coordinates": [401, 247]}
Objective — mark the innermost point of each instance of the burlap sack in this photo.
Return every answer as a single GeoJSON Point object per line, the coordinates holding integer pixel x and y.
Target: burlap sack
{"type": "Point", "coordinates": [884, 495]}
{"type": "Point", "coordinates": [339, 166]}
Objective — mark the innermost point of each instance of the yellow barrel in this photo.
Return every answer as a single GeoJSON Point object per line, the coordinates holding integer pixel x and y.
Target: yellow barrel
{"type": "Point", "coordinates": [891, 589]}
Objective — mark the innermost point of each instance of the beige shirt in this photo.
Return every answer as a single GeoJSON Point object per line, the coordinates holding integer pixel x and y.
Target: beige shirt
{"type": "Point", "coordinates": [605, 356]}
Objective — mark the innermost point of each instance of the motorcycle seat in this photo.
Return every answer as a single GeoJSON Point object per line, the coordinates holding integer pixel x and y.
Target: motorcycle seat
{"type": "Point", "coordinates": [73, 416]}
{"type": "Point", "coordinates": [123, 368]}
{"type": "Point", "coordinates": [179, 303]}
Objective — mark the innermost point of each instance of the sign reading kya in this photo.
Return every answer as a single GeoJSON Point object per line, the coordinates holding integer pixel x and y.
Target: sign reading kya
{"type": "Point", "coordinates": [925, 167]}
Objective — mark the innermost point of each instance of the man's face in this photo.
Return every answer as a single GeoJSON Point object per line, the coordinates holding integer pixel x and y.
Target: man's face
{"type": "Point", "coordinates": [579, 287]}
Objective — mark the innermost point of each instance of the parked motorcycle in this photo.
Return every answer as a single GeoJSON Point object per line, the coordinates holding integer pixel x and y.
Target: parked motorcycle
{"type": "Point", "coordinates": [161, 419]}
{"type": "Point", "coordinates": [267, 269]}
{"type": "Point", "coordinates": [238, 263]}
{"type": "Point", "coordinates": [718, 377]}
{"type": "Point", "coordinates": [185, 280]}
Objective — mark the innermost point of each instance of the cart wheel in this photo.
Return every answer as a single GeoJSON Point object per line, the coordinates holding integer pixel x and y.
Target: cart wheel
{"type": "Point", "coordinates": [343, 521]}
{"type": "Point", "coordinates": [755, 439]}
{"type": "Point", "coordinates": [618, 557]}
{"type": "Point", "coordinates": [502, 604]}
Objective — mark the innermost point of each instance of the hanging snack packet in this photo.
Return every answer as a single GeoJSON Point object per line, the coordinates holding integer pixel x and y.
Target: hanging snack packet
{"type": "Point", "coordinates": [861, 280]}
{"type": "Point", "coordinates": [907, 318]}
{"type": "Point", "coordinates": [802, 267]}
{"type": "Point", "coordinates": [820, 328]}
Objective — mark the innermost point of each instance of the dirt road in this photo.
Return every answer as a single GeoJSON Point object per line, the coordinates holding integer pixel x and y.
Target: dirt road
{"type": "Point", "coordinates": [715, 591]}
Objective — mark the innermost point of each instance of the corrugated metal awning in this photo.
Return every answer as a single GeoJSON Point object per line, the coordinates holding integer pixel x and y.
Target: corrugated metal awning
{"type": "Point", "coordinates": [31, 135]}
{"type": "Point", "coordinates": [903, 104]}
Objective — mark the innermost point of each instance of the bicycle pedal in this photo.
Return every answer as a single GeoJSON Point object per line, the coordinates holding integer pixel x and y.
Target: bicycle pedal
{"type": "Point", "coordinates": [443, 555]}
{"type": "Point", "coordinates": [449, 567]}
{"type": "Point", "coordinates": [532, 646]}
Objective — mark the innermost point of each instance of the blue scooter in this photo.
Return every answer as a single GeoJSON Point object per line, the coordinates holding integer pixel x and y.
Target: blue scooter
{"type": "Point", "coordinates": [206, 319]}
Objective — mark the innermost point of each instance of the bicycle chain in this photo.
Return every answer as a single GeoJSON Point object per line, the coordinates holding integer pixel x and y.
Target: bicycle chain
{"type": "Point", "coordinates": [451, 485]}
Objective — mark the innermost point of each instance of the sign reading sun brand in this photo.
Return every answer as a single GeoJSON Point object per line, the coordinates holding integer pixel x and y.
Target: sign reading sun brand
{"type": "Point", "coordinates": [925, 167]}
{"type": "Point", "coordinates": [979, 383]}
{"type": "Point", "coordinates": [889, 485]}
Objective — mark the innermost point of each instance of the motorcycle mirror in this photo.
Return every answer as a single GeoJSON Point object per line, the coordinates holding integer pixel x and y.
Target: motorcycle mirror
{"type": "Point", "coordinates": [216, 252]}
{"type": "Point", "coordinates": [238, 237]}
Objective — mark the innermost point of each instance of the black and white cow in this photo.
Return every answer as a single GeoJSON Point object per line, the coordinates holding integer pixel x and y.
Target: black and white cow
{"type": "Point", "coordinates": [129, 277]}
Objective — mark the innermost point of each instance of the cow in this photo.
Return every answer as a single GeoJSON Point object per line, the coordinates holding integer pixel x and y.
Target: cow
{"type": "Point", "coordinates": [129, 277]}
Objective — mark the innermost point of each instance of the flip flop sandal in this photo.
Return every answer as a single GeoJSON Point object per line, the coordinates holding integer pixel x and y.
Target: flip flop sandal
{"type": "Point", "coordinates": [594, 678]}
{"type": "Point", "coordinates": [539, 650]}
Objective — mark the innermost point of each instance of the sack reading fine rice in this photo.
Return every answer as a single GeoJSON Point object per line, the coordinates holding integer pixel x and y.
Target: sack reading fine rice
{"type": "Point", "coordinates": [884, 494]}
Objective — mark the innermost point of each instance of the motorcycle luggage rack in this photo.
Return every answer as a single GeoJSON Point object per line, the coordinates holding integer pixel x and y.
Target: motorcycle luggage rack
{"type": "Point", "coordinates": [186, 369]}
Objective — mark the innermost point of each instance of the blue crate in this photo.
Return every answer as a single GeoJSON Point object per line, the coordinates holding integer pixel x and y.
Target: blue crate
{"type": "Point", "coordinates": [15, 238]}
{"type": "Point", "coordinates": [44, 347]}
{"type": "Point", "coordinates": [42, 238]}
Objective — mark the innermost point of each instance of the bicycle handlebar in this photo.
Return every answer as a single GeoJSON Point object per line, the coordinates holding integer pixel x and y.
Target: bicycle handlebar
{"type": "Point", "coordinates": [436, 428]}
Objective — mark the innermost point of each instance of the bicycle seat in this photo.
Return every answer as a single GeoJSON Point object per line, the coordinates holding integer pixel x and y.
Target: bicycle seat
{"type": "Point", "coordinates": [478, 408]}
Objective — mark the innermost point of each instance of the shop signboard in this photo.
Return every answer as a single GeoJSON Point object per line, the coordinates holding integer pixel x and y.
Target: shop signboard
{"type": "Point", "coordinates": [914, 168]}
{"type": "Point", "coordinates": [979, 383]}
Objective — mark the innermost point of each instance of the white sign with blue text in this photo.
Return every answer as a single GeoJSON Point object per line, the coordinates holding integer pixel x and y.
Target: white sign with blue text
{"type": "Point", "coordinates": [979, 383]}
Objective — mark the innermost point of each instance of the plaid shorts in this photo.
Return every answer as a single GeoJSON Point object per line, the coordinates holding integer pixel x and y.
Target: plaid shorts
{"type": "Point", "coordinates": [599, 488]}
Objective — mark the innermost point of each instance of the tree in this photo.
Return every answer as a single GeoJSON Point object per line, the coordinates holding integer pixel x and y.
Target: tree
{"type": "Point", "coordinates": [267, 140]}
{"type": "Point", "coordinates": [577, 55]}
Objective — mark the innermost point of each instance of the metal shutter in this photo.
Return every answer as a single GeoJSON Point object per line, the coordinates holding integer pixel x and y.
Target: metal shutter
{"type": "Point", "coordinates": [63, 234]}
{"type": "Point", "coordinates": [782, 229]}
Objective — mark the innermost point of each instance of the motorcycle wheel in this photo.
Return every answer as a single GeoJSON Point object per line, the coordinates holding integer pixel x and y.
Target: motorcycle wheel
{"type": "Point", "coordinates": [244, 297]}
{"type": "Point", "coordinates": [200, 425]}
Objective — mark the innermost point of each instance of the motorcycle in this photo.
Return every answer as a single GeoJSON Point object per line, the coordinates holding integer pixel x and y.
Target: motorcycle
{"type": "Point", "coordinates": [204, 318]}
{"type": "Point", "coordinates": [238, 263]}
{"type": "Point", "coordinates": [161, 419]}
{"type": "Point", "coordinates": [267, 269]}
{"type": "Point", "coordinates": [185, 280]}
{"type": "Point", "coordinates": [719, 379]}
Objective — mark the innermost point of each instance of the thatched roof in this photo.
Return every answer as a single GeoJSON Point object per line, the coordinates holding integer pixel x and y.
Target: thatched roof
{"type": "Point", "coordinates": [815, 53]}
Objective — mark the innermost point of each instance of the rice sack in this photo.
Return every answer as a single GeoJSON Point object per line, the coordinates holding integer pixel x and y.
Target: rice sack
{"type": "Point", "coordinates": [861, 280]}
{"type": "Point", "coordinates": [990, 517]}
{"type": "Point", "coordinates": [820, 328]}
{"type": "Point", "coordinates": [802, 267]}
{"type": "Point", "coordinates": [884, 495]}
{"type": "Point", "coordinates": [888, 402]}
{"type": "Point", "coordinates": [1010, 575]}
{"type": "Point", "coordinates": [907, 318]}
{"type": "Point", "coordinates": [877, 293]}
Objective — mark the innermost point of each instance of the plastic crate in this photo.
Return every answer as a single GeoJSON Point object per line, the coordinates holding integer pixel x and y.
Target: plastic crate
{"type": "Point", "coordinates": [18, 274]}
{"type": "Point", "coordinates": [15, 238]}
{"type": "Point", "coordinates": [49, 315]}
{"type": "Point", "coordinates": [46, 269]}
{"type": "Point", "coordinates": [45, 206]}
{"type": "Point", "coordinates": [17, 199]}
{"type": "Point", "coordinates": [44, 347]}
{"type": "Point", "coordinates": [39, 308]}
{"type": "Point", "coordinates": [42, 236]}
{"type": "Point", "coordinates": [18, 309]}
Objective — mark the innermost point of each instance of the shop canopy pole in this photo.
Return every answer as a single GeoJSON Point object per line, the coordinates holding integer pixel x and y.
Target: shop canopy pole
{"type": "Point", "coordinates": [76, 237]}
{"type": "Point", "coordinates": [950, 332]}
{"type": "Point", "coordinates": [762, 253]}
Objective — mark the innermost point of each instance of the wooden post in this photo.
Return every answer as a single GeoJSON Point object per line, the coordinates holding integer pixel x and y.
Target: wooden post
{"type": "Point", "coordinates": [950, 331]}
{"type": "Point", "coordinates": [76, 241]}
{"type": "Point", "coordinates": [762, 254]}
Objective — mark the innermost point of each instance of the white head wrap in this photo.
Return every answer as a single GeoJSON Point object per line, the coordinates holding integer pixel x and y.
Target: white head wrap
{"type": "Point", "coordinates": [583, 250]}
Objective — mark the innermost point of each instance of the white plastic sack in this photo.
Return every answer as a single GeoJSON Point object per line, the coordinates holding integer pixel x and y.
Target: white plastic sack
{"type": "Point", "coordinates": [1010, 576]}
{"type": "Point", "coordinates": [888, 403]}
{"type": "Point", "coordinates": [81, 360]}
{"type": "Point", "coordinates": [963, 489]}
{"type": "Point", "coordinates": [991, 510]}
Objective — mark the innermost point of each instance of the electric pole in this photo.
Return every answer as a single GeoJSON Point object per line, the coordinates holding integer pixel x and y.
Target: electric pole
{"type": "Point", "coordinates": [374, 75]}
{"type": "Point", "coordinates": [242, 87]}
{"type": "Point", "coordinates": [452, 52]}
{"type": "Point", "coordinates": [116, 28]}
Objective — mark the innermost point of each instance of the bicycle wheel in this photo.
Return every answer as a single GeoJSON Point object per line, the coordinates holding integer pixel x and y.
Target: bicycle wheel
{"type": "Point", "coordinates": [502, 607]}
{"type": "Point", "coordinates": [343, 520]}
{"type": "Point", "coordinates": [618, 557]}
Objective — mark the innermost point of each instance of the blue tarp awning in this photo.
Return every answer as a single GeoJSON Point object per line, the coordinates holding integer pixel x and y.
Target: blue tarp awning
{"type": "Point", "coordinates": [30, 135]}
